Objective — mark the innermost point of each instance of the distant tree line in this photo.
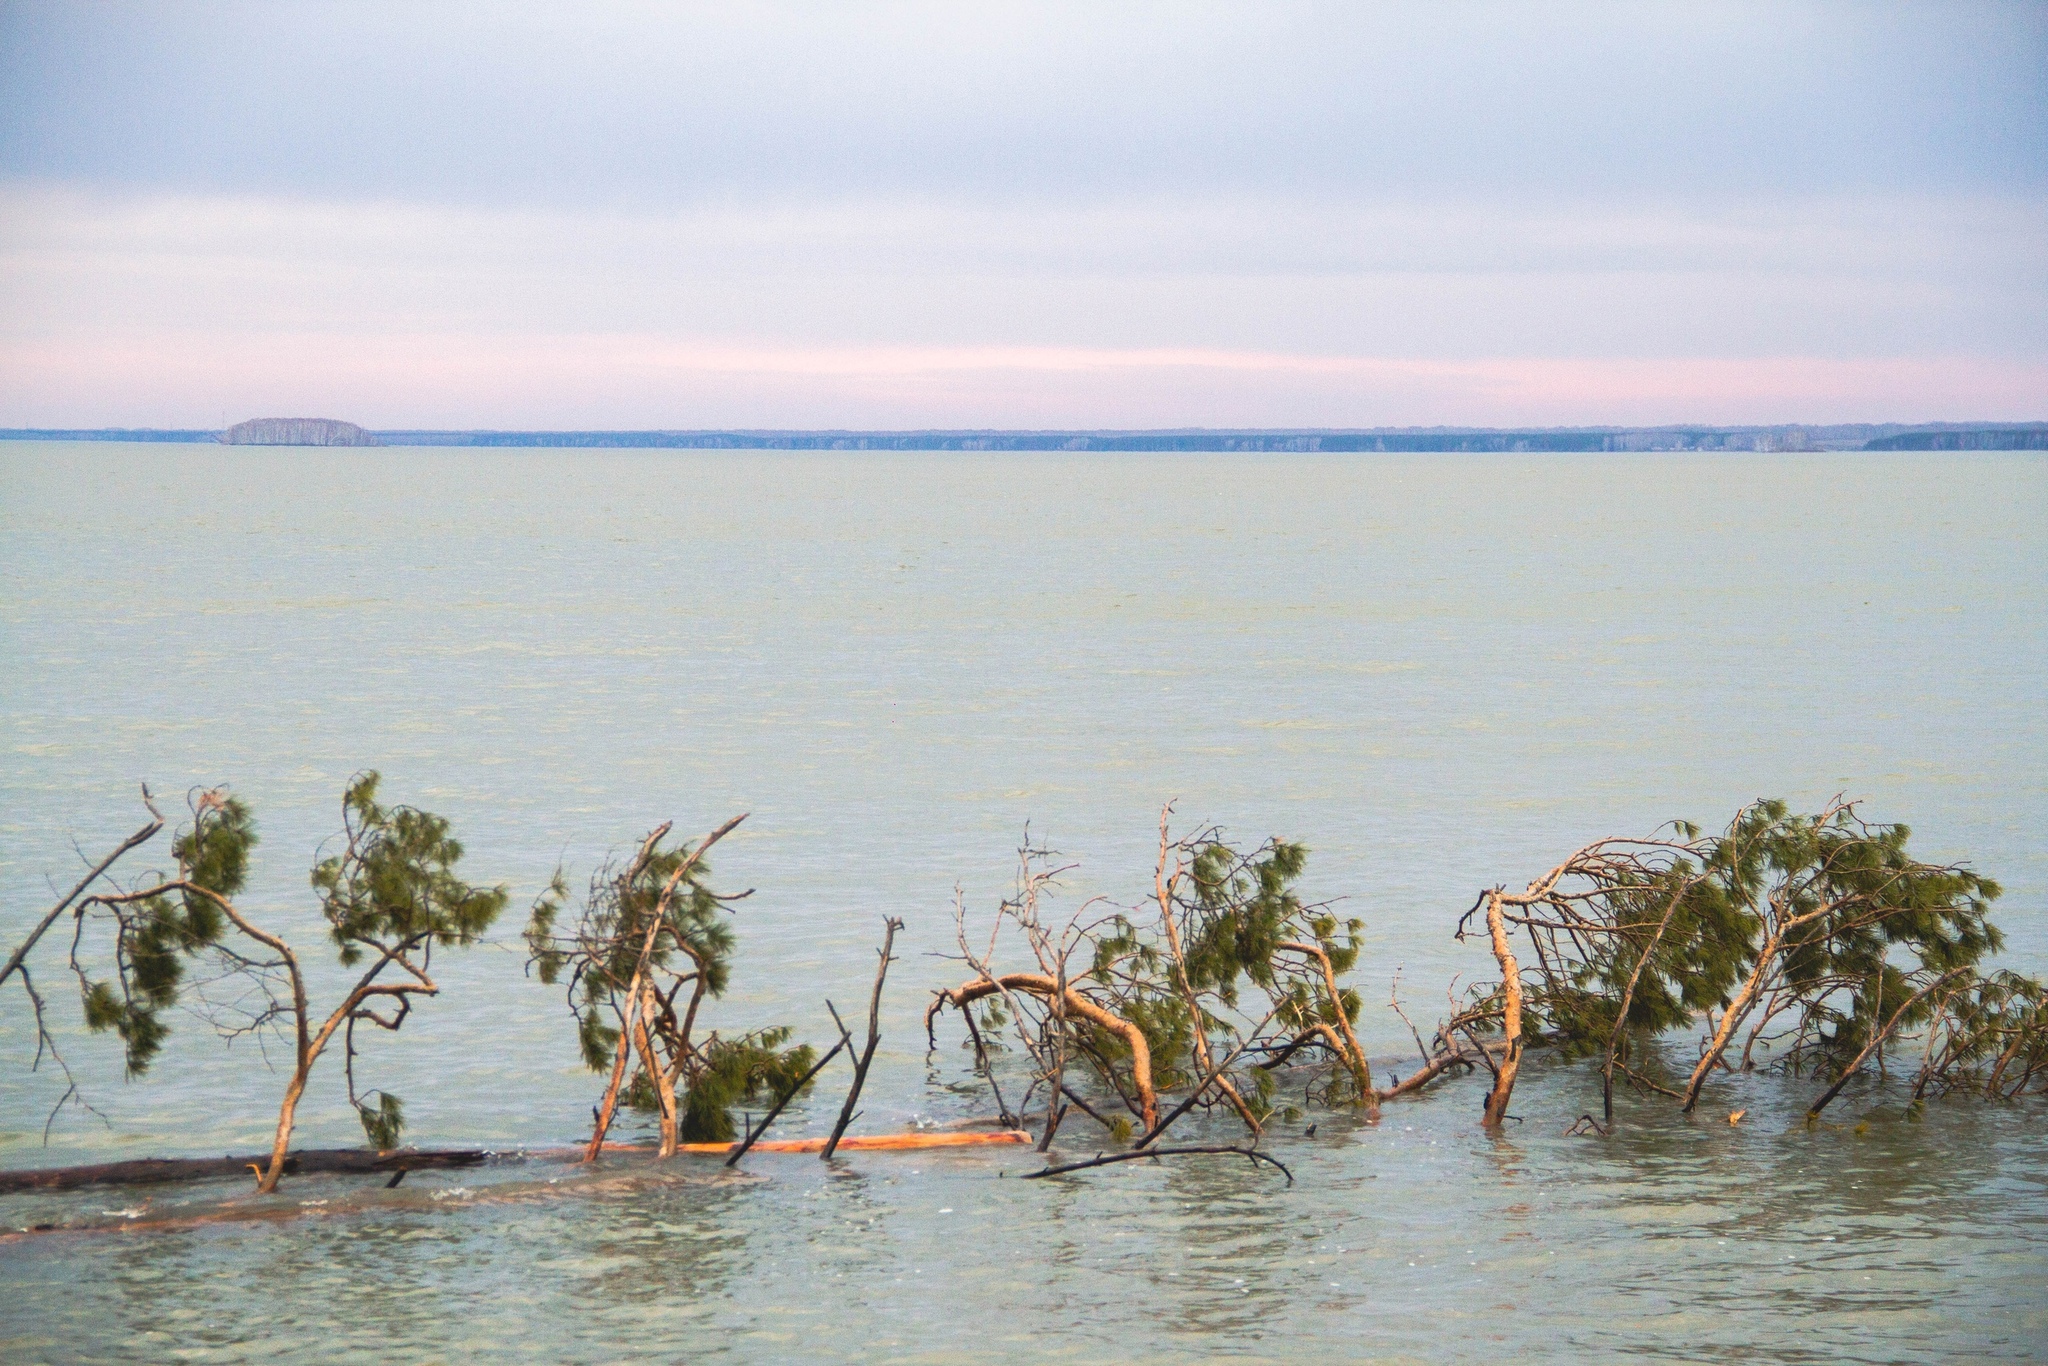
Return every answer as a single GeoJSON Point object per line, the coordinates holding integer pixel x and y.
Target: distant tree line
{"type": "Point", "coordinates": [1445, 440]}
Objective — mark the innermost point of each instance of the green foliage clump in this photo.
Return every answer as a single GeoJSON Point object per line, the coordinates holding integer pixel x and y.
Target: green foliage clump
{"type": "Point", "coordinates": [1234, 910]}
{"type": "Point", "coordinates": [735, 1072]}
{"type": "Point", "coordinates": [383, 1122]}
{"type": "Point", "coordinates": [390, 896]}
{"type": "Point", "coordinates": [155, 934]}
{"type": "Point", "coordinates": [1806, 940]}
{"type": "Point", "coordinates": [394, 883]}
{"type": "Point", "coordinates": [602, 954]}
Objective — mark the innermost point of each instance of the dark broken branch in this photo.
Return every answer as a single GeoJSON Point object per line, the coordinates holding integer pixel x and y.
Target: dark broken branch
{"type": "Point", "coordinates": [1110, 1159]}
{"type": "Point", "coordinates": [890, 925]}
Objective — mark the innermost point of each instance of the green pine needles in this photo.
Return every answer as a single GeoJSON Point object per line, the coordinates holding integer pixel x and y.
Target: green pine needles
{"type": "Point", "coordinates": [158, 930]}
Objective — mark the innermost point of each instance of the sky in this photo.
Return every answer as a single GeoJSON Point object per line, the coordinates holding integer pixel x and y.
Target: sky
{"type": "Point", "coordinates": [888, 215]}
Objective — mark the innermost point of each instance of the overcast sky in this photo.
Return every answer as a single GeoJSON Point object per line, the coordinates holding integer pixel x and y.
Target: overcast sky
{"type": "Point", "coordinates": [918, 215]}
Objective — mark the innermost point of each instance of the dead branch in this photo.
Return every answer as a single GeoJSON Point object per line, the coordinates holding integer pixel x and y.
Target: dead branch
{"type": "Point", "coordinates": [142, 836]}
{"type": "Point", "coordinates": [890, 924]}
{"type": "Point", "coordinates": [1876, 1040]}
{"type": "Point", "coordinates": [1044, 987]}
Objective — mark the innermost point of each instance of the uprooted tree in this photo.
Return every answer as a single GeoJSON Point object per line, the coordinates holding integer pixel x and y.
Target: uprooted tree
{"type": "Point", "coordinates": [389, 897]}
{"type": "Point", "coordinates": [1807, 943]}
{"type": "Point", "coordinates": [649, 945]}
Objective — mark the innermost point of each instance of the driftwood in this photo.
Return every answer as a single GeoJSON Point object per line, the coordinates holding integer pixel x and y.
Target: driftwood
{"type": "Point", "coordinates": [306, 1162]}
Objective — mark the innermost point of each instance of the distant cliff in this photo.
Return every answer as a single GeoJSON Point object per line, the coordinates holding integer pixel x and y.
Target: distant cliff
{"type": "Point", "coordinates": [296, 431]}
{"type": "Point", "coordinates": [1982, 439]}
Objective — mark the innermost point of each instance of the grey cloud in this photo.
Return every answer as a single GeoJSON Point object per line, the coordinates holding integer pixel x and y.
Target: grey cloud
{"type": "Point", "coordinates": [562, 105]}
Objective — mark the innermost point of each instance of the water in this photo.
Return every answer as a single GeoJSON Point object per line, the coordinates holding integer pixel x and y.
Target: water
{"type": "Point", "coordinates": [1441, 672]}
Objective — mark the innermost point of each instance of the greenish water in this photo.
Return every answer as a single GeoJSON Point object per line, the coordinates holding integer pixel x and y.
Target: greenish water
{"type": "Point", "coordinates": [1441, 672]}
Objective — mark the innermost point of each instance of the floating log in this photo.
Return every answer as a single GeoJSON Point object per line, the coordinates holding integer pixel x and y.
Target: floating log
{"type": "Point", "coordinates": [307, 1162]}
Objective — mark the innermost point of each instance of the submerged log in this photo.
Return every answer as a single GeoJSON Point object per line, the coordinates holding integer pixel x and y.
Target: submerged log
{"type": "Point", "coordinates": [306, 1162]}
{"type": "Point", "coordinates": [858, 1143]}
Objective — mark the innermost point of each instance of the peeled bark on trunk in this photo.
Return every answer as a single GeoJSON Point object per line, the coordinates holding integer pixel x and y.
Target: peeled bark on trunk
{"type": "Point", "coordinates": [266, 1180]}
{"type": "Point", "coordinates": [602, 1121]}
{"type": "Point", "coordinates": [1037, 984]}
{"type": "Point", "coordinates": [657, 1075]}
{"type": "Point", "coordinates": [1511, 1023]}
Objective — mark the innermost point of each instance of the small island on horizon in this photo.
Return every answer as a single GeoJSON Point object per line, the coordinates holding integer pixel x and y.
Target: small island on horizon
{"type": "Point", "coordinates": [296, 431]}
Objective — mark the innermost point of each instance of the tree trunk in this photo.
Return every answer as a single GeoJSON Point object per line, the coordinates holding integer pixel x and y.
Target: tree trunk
{"type": "Point", "coordinates": [1628, 998]}
{"type": "Point", "coordinates": [1511, 1024]}
{"type": "Point", "coordinates": [602, 1122]}
{"type": "Point", "coordinates": [266, 1183]}
{"type": "Point", "coordinates": [657, 1075]}
{"type": "Point", "coordinates": [1738, 1009]}
{"type": "Point", "coordinates": [1196, 1027]}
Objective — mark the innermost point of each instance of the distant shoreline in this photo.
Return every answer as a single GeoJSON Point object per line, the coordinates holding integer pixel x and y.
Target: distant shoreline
{"type": "Point", "coordinates": [1791, 437]}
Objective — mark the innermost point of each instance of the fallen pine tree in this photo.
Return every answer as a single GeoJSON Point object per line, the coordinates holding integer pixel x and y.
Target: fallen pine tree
{"type": "Point", "coordinates": [1812, 945]}
{"type": "Point", "coordinates": [1806, 944]}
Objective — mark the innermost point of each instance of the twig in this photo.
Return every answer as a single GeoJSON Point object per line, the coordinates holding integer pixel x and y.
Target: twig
{"type": "Point", "coordinates": [981, 1055]}
{"type": "Point", "coordinates": [787, 1096]}
{"type": "Point", "coordinates": [1086, 1108]}
{"type": "Point", "coordinates": [142, 836]}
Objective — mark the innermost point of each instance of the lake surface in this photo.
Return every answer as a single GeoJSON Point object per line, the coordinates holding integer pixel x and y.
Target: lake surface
{"type": "Point", "coordinates": [1441, 672]}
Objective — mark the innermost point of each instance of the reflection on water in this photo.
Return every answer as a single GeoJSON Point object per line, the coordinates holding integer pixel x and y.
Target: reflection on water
{"type": "Point", "coordinates": [1438, 671]}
